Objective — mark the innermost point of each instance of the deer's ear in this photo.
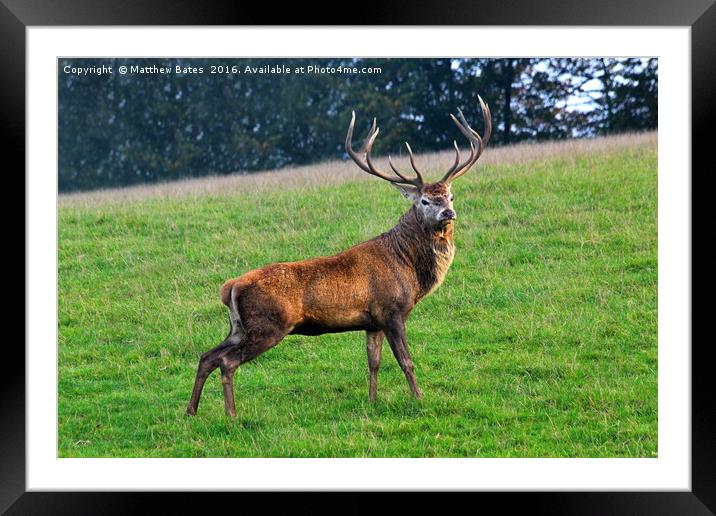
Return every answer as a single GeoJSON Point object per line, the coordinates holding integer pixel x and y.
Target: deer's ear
{"type": "Point", "coordinates": [410, 192]}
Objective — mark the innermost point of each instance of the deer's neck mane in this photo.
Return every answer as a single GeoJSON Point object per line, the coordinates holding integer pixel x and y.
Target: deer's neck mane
{"type": "Point", "coordinates": [428, 251]}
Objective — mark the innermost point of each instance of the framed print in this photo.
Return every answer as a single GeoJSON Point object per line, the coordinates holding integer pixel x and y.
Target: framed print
{"type": "Point", "coordinates": [214, 271]}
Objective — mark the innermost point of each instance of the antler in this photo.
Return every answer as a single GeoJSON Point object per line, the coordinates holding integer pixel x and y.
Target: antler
{"type": "Point", "coordinates": [477, 146]}
{"type": "Point", "coordinates": [368, 165]}
{"type": "Point", "coordinates": [477, 143]}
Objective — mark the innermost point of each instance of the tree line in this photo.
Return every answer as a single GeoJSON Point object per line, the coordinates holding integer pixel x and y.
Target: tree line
{"type": "Point", "coordinates": [121, 129]}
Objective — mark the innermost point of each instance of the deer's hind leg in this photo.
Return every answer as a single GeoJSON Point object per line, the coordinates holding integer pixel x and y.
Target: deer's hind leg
{"type": "Point", "coordinates": [207, 363]}
{"type": "Point", "coordinates": [213, 358]}
{"type": "Point", "coordinates": [228, 356]}
{"type": "Point", "coordinates": [253, 345]}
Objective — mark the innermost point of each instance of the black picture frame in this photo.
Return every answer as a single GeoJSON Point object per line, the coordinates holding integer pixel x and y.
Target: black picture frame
{"type": "Point", "coordinates": [17, 15]}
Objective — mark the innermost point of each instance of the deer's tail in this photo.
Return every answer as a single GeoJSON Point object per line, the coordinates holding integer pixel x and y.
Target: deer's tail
{"type": "Point", "coordinates": [229, 296]}
{"type": "Point", "coordinates": [226, 292]}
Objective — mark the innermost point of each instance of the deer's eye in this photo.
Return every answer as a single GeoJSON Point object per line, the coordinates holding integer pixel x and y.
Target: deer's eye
{"type": "Point", "coordinates": [424, 202]}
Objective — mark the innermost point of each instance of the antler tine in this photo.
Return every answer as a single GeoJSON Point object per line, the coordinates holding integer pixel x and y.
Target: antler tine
{"type": "Point", "coordinates": [368, 149]}
{"type": "Point", "coordinates": [457, 158]}
{"type": "Point", "coordinates": [477, 143]}
{"type": "Point", "coordinates": [412, 162]}
{"type": "Point", "coordinates": [461, 166]}
{"type": "Point", "coordinates": [487, 119]}
{"type": "Point", "coordinates": [474, 133]}
{"type": "Point", "coordinates": [475, 137]}
{"type": "Point", "coordinates": [368, 165]}
{"type": "Point", "coordinates": [349, 147]}
{"type": "Point", "coordinates": [390, 162]}
{"type": "Point", "coordinates": [372, 130]}
{"type": "Point", "coordinates": [401, 179]}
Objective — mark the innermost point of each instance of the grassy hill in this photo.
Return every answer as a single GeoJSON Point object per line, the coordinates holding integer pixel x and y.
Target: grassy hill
{"type": "Point", "coordinates": [542, 342]}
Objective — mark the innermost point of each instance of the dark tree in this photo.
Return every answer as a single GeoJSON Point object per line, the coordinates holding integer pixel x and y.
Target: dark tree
{"type": "Point", "coordinates": [117, 130]}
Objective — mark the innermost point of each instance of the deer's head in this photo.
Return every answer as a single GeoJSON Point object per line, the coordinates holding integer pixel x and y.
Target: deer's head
{"type": "Point", "coordinates": [433, 201]}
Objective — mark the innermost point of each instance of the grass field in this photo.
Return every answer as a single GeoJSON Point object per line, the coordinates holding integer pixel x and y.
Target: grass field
{"type": "Point", "coordinates": [542, 342]}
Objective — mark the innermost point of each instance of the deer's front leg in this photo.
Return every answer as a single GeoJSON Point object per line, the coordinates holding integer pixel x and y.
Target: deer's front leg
{"type": "Point", "coordinates": [374, 346]}
{"type": "Point", "coordinates": [395, 332]}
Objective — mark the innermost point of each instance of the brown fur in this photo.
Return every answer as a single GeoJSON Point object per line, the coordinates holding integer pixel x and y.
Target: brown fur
{"type": "Point", "coordinates": [357, 289]}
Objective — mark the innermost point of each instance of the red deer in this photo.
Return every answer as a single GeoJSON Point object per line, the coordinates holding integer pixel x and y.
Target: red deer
{"type": "Point", "coordinates": [370, 287]}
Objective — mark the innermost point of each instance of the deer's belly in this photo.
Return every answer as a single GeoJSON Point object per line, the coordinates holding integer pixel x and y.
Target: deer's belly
{"type": "Point", "coordinates": [329, 319]}
{"type": "Point", "coordinates": [319, 329]}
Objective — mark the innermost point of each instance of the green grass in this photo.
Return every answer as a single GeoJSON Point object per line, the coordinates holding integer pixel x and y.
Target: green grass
{"type": "Point", "coordinates": [542, 342]}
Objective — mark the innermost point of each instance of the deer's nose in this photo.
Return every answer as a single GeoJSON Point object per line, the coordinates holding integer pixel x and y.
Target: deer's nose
{"type": "Point", "coordinates": [448, 215]}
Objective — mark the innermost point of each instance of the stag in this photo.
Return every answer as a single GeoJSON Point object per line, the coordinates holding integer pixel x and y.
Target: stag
{"type": "Point", "coordinates": [371, 287]}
